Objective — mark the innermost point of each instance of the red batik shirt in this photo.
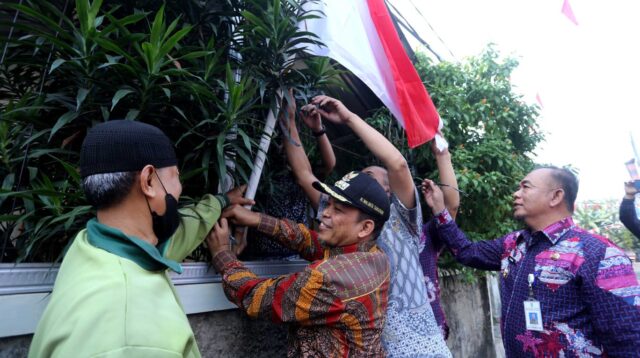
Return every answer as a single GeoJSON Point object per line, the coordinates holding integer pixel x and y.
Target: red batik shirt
{"type": "Point", "coordinates": [336, 304]}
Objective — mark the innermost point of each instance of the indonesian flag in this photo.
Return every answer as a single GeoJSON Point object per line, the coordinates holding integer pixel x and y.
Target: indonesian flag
{"type": "Point", "coordinates": [568, 12]}
{"type": "Point", "coordinates": [632, 169]}
{"type": "Point", "coordinates": [360, 35]}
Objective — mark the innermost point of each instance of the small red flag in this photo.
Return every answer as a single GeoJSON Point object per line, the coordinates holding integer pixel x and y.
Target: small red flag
{"type": "Point", "coordinates": [568, 12]}
{"type": "Point", "coordinates": [539, 100]}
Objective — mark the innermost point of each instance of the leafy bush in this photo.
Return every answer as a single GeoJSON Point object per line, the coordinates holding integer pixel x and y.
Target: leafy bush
{"type": "Point", "coordinates": [603, 218]}
{"type": "Point", "coordinates": [204, 72]}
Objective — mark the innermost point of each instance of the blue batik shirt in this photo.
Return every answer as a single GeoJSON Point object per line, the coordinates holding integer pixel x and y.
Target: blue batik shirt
{"type": "Point", "coordinates": [588, 291]}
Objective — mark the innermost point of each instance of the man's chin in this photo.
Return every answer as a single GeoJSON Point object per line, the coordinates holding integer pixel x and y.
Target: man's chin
{"type": "Point", "coordinates": [326, 241]}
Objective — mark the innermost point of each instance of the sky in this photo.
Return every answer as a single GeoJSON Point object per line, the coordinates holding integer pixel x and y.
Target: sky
{"type": "Point", "coordinates": [586, 75]}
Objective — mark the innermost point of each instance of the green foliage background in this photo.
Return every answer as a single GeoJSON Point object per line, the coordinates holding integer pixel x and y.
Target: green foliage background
{"type": "Point", "coordinates": [603, 218]}
{"type": "Point", "coordinates": [67, 66]}
{"type": "Point", "coordinates": [206, 72]}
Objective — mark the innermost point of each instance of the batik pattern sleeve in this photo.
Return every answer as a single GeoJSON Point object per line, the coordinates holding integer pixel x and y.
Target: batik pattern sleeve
{"type": "Point", "coordinates": [294, 236]}
{"type": "Point", "coordinates": [301, 297]}
{"type": "Point", "coordinates": [195, 223]}
{"type": "Point", "coordinates": [629, 217]}
{"type": "Point", "coordinates": [611, 290]}
{"type": "Point", "coordinates": [484, 255]}
{"type": "Point", "coordinates": [411, 219]}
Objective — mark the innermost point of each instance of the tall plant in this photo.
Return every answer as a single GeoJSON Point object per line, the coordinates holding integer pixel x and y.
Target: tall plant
{"type": "Point", "coordinates": [68, 66]}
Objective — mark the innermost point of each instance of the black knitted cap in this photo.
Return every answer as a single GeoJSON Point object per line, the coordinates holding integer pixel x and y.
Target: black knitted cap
{"type": "Point", "coordinates": [125, 146]}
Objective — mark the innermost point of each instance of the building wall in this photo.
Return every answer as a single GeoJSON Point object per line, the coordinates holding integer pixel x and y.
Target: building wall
{"type": "Point", "coordinates": [468, 312]}
{"type": "Point", "coordinates": [231, 334]}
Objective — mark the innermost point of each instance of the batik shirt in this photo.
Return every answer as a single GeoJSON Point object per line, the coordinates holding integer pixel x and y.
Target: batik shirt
{"type": "Point", "coordinates": [336, 305]}
{"type": "Point", "coordinates": [431, 248]}
{"type": "Point", "coordinates": [411, 329]}
{"type": "Point", "coordinates": [629, 216]}
{"type": "Point", "coordinates": [588, 292]}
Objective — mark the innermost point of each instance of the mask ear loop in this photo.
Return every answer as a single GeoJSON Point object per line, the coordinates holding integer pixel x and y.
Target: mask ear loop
{"type": "Point", "coordinates": [157, 176]}
{"type": "Point", "coordinates": [165, 190]}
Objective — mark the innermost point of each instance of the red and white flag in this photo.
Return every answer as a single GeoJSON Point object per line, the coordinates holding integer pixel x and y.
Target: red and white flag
{"type": "Point", "coordinates": [361, 36]}
{"type": "Point", "coordinates": [539, 100]}
{"type": "Point", "coordinates": [568, 12]}
{"type": "Point", "coordinates": [632, 169]}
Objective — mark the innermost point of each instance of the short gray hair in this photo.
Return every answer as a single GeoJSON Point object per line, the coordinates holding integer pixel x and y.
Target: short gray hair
{"type": "Point", "coordinates": [107, 189]}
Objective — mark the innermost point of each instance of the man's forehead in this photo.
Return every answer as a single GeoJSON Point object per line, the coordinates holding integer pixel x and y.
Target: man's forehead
{"type": "Point", "coordinates": [339, 204]}
{"type": "Point", "coordinates": [537, 176]}
{"type": "Point", "coordinates": [380, 172]}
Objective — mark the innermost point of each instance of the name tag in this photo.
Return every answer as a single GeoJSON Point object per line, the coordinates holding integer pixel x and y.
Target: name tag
{"type": "Point", "coordinates": [533, 315]}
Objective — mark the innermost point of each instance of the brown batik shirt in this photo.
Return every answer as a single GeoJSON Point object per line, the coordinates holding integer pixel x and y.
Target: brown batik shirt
{"type": "Point", "coordinates": [336, 305]}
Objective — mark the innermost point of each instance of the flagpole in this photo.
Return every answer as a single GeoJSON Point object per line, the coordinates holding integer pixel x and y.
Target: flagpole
{"type": "Point", "coordinates": [265, 142]}
{"type": "Point", "coordinates": [239, 237]}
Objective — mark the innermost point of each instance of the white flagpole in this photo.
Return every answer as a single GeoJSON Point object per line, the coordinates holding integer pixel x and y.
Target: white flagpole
{"type": "Point", "coordinates": [240, 234]}
{"type": "Point", "coordinates": [265, 142]}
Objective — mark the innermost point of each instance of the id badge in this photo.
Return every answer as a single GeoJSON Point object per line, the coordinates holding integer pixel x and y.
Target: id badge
{"type": "Point", "coordinates": [533, 315]}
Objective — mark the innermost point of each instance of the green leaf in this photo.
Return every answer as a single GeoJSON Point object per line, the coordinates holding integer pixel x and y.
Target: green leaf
{"type": "Point", "coordinates": [167, 92]}
{"type": "Point", "coordinates": [118, 96]}
{"type": "Point", "coordinates": [105, 113]}
{"type": "Point", "coordinates": [132, 114]}
{"type": "Point", "coordinates": [222, 168]}
{"type": "Point", "coordinates": [62, 120]}
{"type": "Point", "coordinates": [180, 112]}
{"type": "Point", "coordinates": [56, 64]}
{"type": "Point", "coordinates": [80, 97]}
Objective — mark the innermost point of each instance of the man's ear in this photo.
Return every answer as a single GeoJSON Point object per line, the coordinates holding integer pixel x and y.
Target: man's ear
{"type": "Point", "coordinates": [366, 229]}
{"type": "Point", "coordinates": [147, 183]}
{"type": "Point", "coordinates": [557, 198]}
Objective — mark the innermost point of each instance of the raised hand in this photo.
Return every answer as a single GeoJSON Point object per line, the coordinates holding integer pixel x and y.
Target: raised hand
{"type": "Point", "coordinates": [239, 215]}
{"type": "Point", "coordinates": [218, 238]}
{"type": "Point", "coordinates": [332, 109]}
{"type": "Point", "coordinates": [434, 147]}
{"type": "Point", "coordinates": [630, 190]}
{"type": "Point", "coordinates": [311, 117]}
{"type": "Point", "coordinates": [235, 196]}
{"type": "Point", "coordinates": [433, 196]}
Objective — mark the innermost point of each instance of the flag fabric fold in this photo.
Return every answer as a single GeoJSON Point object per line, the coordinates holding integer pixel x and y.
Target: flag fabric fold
{"type": "Point", "coordinates": [568, 12]}
{"type": "Point", "coordinates": [360, 35]}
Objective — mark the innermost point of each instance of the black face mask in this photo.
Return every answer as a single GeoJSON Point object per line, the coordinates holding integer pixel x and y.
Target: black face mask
{"type": "Point", "coordinates": [165, 225]}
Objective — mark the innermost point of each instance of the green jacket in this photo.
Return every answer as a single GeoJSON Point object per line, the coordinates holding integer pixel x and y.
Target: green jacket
{"type": "Point", "coordinates": [113, 297]}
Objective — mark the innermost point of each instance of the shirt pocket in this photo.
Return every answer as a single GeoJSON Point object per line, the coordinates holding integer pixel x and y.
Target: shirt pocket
{"type": "Point", "coordinates": [557, 266]}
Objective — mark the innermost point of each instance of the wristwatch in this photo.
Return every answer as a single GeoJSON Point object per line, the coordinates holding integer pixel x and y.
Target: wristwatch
{"type": "Point", "coordinates": [322, 131]}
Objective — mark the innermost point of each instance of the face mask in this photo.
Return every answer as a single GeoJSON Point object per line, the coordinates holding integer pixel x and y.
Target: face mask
{"type": "Point", "coordinates": [165, 225]}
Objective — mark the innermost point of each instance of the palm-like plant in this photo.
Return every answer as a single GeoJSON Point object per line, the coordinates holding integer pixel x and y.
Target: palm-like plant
{"type": "Point", "coordinates": [67, 66]}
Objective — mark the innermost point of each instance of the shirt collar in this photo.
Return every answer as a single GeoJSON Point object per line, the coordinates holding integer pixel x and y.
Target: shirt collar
{"type": "Point", "coordinates": [357, 247]}
{"type": "Point", "coordinates": [144, 254]}
{"type": "Point", "coordinates": [556, 230]}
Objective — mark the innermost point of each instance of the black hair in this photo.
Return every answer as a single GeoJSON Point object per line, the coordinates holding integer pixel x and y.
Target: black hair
{"type": "Point", "coordinates": [568, 182]}
{"type": "Point", "coordinates": [378, 223]}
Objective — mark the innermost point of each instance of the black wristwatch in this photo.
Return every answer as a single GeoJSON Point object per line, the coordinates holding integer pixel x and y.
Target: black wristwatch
{"type": "Point", "coordinates": [322, 131]}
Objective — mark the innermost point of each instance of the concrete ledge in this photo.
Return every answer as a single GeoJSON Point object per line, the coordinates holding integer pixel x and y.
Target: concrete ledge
{"type": "Point", "coordinates": [25, 289]}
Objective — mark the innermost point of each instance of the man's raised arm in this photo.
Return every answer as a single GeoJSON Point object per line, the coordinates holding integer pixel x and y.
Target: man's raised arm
{"type": "Point", "coordinates": [400, 180]}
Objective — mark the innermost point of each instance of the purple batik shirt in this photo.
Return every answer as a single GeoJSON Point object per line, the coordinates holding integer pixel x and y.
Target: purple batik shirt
{"type": "Point", "coordinates": [588, 292]}
{"type": "Point", "coordinates": [431, 247]}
